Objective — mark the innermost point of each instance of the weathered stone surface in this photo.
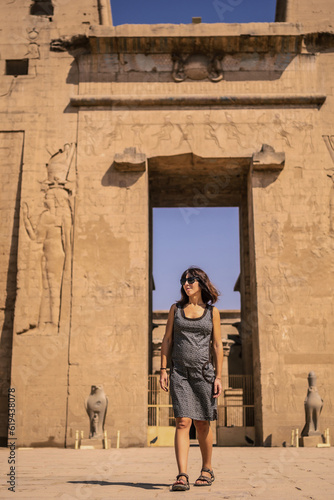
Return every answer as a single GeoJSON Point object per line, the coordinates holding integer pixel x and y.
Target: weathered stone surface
{"type": "Point", "coordinates": [267, 159]}
{"type": "Point", "coordinates": [130, 161]}
{"type": "Point", "coordinates": [109, 89]}
{"type": "Point", "coordinates": [312, 11]}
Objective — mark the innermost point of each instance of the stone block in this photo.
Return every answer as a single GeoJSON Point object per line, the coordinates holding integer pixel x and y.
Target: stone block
{"type": "Point", "coordinates": [310, 441]}
{"type": "Point", "coordinates": [91, 444]}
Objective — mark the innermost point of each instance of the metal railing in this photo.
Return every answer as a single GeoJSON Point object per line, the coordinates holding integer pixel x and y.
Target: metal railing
{"type": "Point", "coordinates": [235, 405]}
{"type": "Point", "coordinates": [160, 409]}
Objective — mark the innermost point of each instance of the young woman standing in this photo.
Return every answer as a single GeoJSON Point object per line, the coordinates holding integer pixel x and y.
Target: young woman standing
{"type": "Point", "coordinates": [195, 385]}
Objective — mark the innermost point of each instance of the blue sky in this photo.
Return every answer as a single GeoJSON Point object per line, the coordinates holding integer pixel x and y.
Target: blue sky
{"type": "Point", "coordinates": [182, 11]}
{"type": "Point", "coordinates": [210, 237]}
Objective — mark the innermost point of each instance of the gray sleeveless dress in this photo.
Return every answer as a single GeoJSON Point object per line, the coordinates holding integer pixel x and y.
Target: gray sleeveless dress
{"type": "Point", "coordinates": [192, 377]}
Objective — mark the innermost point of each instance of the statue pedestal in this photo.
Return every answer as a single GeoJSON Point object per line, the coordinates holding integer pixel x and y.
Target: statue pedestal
{"type": "Point", "coordinates": [310, 441]}
{"type": "Point", "coordinates": [93, 444]}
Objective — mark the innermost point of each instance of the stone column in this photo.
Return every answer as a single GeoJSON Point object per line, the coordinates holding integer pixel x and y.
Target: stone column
{"type": "Point", "coordinates": [227, 344]}
{"type": "Point", "coordinates": [156, 357]}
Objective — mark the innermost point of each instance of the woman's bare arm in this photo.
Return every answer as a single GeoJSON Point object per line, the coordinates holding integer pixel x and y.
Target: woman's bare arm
{"type": "Point", "coordinates": [217, 351]}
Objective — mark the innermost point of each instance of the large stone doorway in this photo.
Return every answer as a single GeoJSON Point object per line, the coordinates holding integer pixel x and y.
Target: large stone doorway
{"type": "Point", "coordinates": [190, 182]}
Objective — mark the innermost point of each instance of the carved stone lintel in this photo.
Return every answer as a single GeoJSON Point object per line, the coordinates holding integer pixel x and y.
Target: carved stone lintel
{"type": "Point", "coordinates": [130, 161]}
{"type": "Point", "coordinates": [156, 348]}
{"type": "Point", "coordinates": [227, 344]}
{"type": "Point", "coordinates": [268, 159]}
{"type": "Point", "coordinates": [196, 67]}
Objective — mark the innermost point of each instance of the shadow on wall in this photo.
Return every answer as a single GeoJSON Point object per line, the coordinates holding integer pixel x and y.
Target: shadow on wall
{"type": "Point", "coordinates": [6, 340]}
{"type": "Point", "coordinates": [50, 443]}
{"type": "Point", "coordinates": [264, 181]}
{"type": "Point", "coordinates": [113, 177]}
{"type": "Point", "coordinates": [268, 441]}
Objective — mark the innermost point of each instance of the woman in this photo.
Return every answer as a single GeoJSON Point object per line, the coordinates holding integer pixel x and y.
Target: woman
{"type": "Point", "coordinates": [195, 386]}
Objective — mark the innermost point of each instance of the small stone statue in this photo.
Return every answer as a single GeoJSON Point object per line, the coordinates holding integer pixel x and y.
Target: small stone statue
{"type": "Point", "coordinates": [313, 406]}
{"type": "Point", "coordinates": [96, 406]}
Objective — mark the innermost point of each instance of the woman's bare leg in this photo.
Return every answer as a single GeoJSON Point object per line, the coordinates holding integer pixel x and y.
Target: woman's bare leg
{"type": "Point", "coordinates": [182, 443]}
{"type": "Point", "coordinates": [205, 439]}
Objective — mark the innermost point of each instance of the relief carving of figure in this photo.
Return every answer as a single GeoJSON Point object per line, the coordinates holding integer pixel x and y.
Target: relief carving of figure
{"type": "Point", "coordinates": [186, 132]}
{"type": "Point", "coordinates": [307, 128]}
{"type": "Point", "coordinates": [232, 130]}
{"type": "Point", "coordinates": [273, 390]}
{"type": "Point", "coordinates": [292, 391]}
{"type": "Point", "coordinates": [329, 141]}
{"type": "Point", "coordinates": [210, 131]}
{"type": "Point", "coordinates": [53, 231]}
{"type": "Point", "coordinates": [137, 130]}
{"type": "Point", "coordinates": [116, 134]}
{"type": "Point", "coordinates": [93, 136]}
{"type": "Point", "coordinates": [165, 132]}
{"type": "Point", "coordinates": [33, 51]}
{"type": "Point", "coordinates": [96, 406]}
{"type": "Point", "coordinates": [274, 239]}
{"type": "Point", "coordinates": [325, 389]}
{"type": "Point", "coordinates": [281, 131]}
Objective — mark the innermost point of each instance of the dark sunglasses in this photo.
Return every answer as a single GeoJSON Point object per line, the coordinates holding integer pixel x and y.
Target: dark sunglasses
{"type": "Point", "coordinates": [190, 280]}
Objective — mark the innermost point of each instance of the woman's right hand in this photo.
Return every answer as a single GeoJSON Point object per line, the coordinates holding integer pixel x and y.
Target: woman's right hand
{"type": "Point", "coordinates": [164, 380]}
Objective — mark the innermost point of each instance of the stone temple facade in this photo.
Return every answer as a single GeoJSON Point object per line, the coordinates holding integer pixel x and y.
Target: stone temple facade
{"type": "Point", "coordinates": [98, 125]}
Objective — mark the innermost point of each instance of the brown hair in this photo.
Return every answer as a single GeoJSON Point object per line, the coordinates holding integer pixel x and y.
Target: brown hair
{"type": "Point", "coordinates": [209, 292]}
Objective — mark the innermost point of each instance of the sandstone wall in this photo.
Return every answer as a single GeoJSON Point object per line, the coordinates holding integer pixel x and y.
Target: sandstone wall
{"type": "Point", "coordinates": [34, 104]}
{"type": "Point", "coordinates": [299, 11]}
{"type": "Point", "coordinates": [146, 116]}
{"type": "Point", "coordinates": [11, 151]}
{"type": "Point", "coordinates": [293, 228]}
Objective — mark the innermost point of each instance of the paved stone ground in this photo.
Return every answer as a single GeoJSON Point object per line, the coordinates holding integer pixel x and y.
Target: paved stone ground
{"type": "Point", "coordinates": [146, 473]}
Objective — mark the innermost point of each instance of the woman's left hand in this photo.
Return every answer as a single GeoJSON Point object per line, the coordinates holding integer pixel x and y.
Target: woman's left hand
{"type": "Point", "coordinates": [217, 388]}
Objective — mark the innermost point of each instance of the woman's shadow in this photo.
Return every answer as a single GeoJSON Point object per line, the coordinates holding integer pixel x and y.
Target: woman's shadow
{"type": "Point", "coordinates": [144, 486]}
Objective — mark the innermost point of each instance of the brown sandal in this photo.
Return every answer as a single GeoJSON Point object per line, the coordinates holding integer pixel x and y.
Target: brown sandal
{"type": "Point", "coordinates": [208, 480]}
{"type": "Point", "coordinates": [180, 485]}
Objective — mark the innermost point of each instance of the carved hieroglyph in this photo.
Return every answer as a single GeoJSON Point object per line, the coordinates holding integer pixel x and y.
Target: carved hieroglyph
{"type": "Point", "coordinates": [53, 233]}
